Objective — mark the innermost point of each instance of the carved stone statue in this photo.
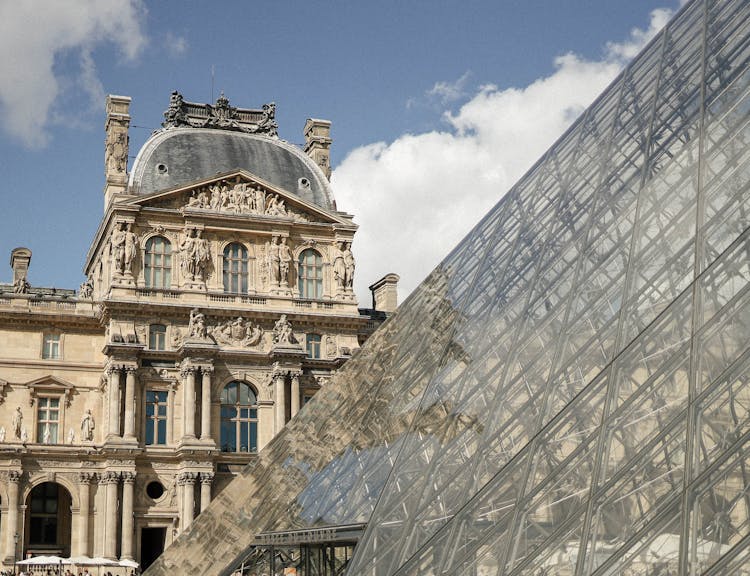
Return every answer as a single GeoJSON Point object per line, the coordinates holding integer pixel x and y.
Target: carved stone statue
{"type": "Point", "coordinates": [282, 332]}
{"type": "Point", "coordinates": [238, 332]}
{"type": "Point", "coordinates": [285, 257]}
{"type": "Point", "coordinates": [339, 266]}
{"type": "Point", "coordinates": [274, 270]}
{"type": "Point", "coordinates": [87, 426]}
{"type": "Point", "coordinates": [123, 248]}
{"type": "Point", "coordinates": [24, 435]}
{"type": "Point", "coordinates": [71, 435]}
{"type": "Point", "coordinates": [330, 346]}
{"type": "Point", "coordinates": [87, 289]}
{"type": "Point", "coordinates": [21, 285]}
{"type": "Point", "coordinates": [349, 266]}
{"type": "Point", "coordinates": [197, 326]}
{"type": "Point", "coordinates": [17, 422]}
{"type": "Point", "coordinates": [195, 254]}
{"type": "Point", "coordinates": [2, 434]}
{"type": "Point", "coordinates": [175, 115]}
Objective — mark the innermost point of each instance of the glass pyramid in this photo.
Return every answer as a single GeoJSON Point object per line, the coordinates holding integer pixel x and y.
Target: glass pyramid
{"type": "Point", "coordinates": [569, 391]}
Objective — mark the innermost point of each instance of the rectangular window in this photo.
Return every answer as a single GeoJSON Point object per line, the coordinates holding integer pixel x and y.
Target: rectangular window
{"type": "Point", "coordinates": [51, 346]}
{"type": "Point", "coordinates": [48, 419]}
{"type": "Point", "coordinates": [313, 345]}
{"type": "Point", "coordinates": [156, 417]}
{"type": "Point", "coordinates": [157, 337]}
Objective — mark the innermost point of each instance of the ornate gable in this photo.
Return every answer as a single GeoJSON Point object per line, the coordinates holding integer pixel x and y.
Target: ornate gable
{"type": "Point", "coordinates": [240, 194]}
{"type": "Point", "coordinates": [50, 385]}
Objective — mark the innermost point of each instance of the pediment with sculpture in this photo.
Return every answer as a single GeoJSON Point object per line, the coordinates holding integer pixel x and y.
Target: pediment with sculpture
{"type": "Point", "coordinates": [239, 194]}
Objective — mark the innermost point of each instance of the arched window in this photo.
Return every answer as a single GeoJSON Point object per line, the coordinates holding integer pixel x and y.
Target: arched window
{"type": "Point", "coordinates": [157, 266]}
{"type": "Point", "coordinates": [235, 269]}
{"type": "Point", "coordinates": [310, 274]}
{"type": "Point", "coordinates": [157, 337]}
{"type": "Point", "coordinates": [239, 418]}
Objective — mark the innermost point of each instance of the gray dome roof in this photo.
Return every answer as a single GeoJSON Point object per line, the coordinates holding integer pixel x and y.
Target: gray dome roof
{"type": "Point", "coordinates": [178, 156]}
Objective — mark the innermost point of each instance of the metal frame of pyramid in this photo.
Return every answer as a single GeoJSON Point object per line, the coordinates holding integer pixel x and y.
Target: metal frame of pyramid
{"type": "Point", "coordinates": [569, 391]}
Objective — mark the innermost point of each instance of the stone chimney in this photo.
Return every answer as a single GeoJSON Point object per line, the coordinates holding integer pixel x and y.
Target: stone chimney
{"type": "Point", "coordinates": [116, 146]}
{"type": "Point", "coordinates": [20, 258]}
{"type": "Point", "coordinates": [385, 293]}
{"type": "Point", "coordinates": [318, 143]}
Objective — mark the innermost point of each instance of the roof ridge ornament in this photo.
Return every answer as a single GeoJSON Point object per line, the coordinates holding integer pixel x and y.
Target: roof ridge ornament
{"type": "Point", "coordinates": [221, 115]}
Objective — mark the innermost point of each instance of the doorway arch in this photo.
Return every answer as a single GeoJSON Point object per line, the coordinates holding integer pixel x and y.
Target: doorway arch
{"type": "Point", "coordinates": [48, 522]}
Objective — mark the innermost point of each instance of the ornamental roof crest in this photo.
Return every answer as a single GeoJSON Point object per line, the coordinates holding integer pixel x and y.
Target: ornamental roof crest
{"type": "Point", "coordinates": [220, 115]}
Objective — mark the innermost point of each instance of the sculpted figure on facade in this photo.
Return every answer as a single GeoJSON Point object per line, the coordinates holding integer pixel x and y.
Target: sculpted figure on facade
{"type": "Point", "coordinates": [282, 332]}
{"type": "Point", "coordinates": [86, 289]}
{"type": "Point", "coordinates": [123, 248]}
{"type": "Point", "coordinates": [87, 426]}
{"type": "Point", "coordinates": [175, 114]}
{"type": "Point", "coordinates": [339, 266]}
{"type": "Point", "coordinates": [21, 285]}
{"type": "Point", "coordinates": [71, 435]}
{"type": "Point", "coordinates": [24, 435]}
{"type": "Point", "coordinates": [116, 155]}
{"type": "Point", "coordinates": [195, 255]}
{"type": "Point", "coordinates": [17, 422]}
{"type": "Point", "coordinates": [2, 434]}
{"type": "Point", "coordinates": [273, 260]}
{"type": "Point", "coordinates": [285, 257]}
{"type": "Point", "coordinates": [348, 266]}
{"type": "Point", "coordinates": [197, 325]}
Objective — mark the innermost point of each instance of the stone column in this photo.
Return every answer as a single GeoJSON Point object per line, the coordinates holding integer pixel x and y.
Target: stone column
{"type": "Point", "coordinates": [279, 382]}
{"type": "Point", "coordinates": [170, 412]}
{"type": "Point", "coordinates": [188, 401]}
{"type": "Point", "coordinates": [129, 427]}
{"type": "Point", "coordinates": [126, 547]}
{"type": "Point", "coordinates": [11, 527]}
{"type": "Point", "coordinates": [114, 402]}
{"type": "Point", "coordinates": [206, 479]}
{"type": "Point", "coordinates": [84, 511]}
{"type": "Point", "coordinates": [110, 481]}
{"type": "Point", "coordinates": [188, 498]}
{"type": "Point", "coordinates": [295, 392]}
{"type": "Point", "coordinates": [206, 403]}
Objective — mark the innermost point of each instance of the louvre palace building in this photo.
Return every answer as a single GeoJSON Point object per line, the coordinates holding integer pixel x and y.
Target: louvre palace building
{"type": "Point", "coordinates": [218, 300]}
{"type": "Point", "coordinates": [568, 392]}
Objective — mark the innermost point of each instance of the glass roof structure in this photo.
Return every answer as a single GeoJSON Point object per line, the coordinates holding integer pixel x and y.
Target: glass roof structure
{"type": "Point", "coordinates": [569, 391]}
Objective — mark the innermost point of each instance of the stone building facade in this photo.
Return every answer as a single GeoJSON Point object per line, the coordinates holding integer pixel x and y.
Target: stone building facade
{"type": "Point", "coordinates": [218, 299]}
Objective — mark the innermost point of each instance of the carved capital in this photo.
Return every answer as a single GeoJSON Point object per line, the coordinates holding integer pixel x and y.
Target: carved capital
{"type": "Point", "coordinates": [207, 477]}
{"type": "Point", "coordinates": [207, 370]}
{"type": "Point", "coordinates": [187, 478]}
{"type": "Point", "coordinates": [128, 477]}
{"type": "Point", "coordinates": [86, 477]}
{"type": "Point", "coordinates": [14, 476]}
{"type": "Point", "coordinates": [130, 368]}
{"type": "Point", "coordinates": [109, 478]}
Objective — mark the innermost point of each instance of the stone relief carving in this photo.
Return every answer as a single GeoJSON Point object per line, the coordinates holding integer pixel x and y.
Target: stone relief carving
{"type": "Point", "coordinates": [71, 436]}
{"type": "Point", "coordinates": [241, 198]}
{"type": "Point", "coordinates": [176, 337]}
{"type": "Point", "coordinates": [238, 332]}
{"type": "Point", "coordinates": [278, 259]}
{"type": "Point", "coordinates": [331, 348]}
{"type": "Point", "coordinates": [195, 255]}
{"type": "Point", "coordinates": [221, 115]}
{"type": "Point", "coordinates": [116, 155]}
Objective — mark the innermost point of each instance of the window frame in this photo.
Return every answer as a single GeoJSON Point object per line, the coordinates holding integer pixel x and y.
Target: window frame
{"type": "Point", "coordinates": [310, 286]}
{"type": "Point", "coordinates": [235, 268]}
{"type": "Point", "coordinates": [153, 333]}
{"type": "Point", "coordinates": [156, 418]}
{"type": "Point", "coordinates": [157, 265]}
{"type": "Point", "coordinates": [42, 403]}
{"type": "Point", "coordinates": [313, 344]}
{"type": "Point", "coordinates": [47, 338]}
{"type": "Point", "coordinates": [237, 420]}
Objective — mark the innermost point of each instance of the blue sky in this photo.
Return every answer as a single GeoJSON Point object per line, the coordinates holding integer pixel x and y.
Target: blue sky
{"type": "Point", "coordinates": [437, 106]}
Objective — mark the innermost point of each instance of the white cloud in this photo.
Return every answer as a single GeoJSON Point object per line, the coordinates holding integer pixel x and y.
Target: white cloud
{"type": "Point", "coordinates": [447, 92]}
{"type": "Point", "coordinates": [34, 34]}
{"type": "Point", "coordinates": [416, 197]}
{"type": "Point", "coordinates": [176, 45]}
